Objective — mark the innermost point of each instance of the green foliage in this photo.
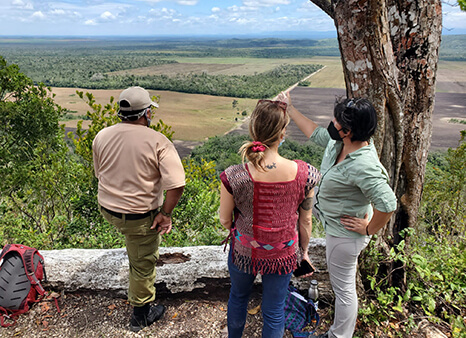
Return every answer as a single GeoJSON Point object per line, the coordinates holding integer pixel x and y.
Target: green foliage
{"type": "Point", "coordinates": [305, 83]}
{"type": "Point", "coordinates": [453, 47]}
{"type": "Point", "coordinates": [257, 86]}
{"type": "Point", "coordinates": [38, 177]}
{"type": "Point", "coordinates": [224, 151]}
{"type": "Point", "coordinates": [94, 67]}
{"type": "Point", "coordinates": [457, 121]}
{"type": "Point", "coordinates": [462, 4]}
{"type": "Point", "coordinates": [221, 149]}
{"type": "Point", "coordinates": [444, 195]}
{"type": "Point", "coordinates": [195, 219]}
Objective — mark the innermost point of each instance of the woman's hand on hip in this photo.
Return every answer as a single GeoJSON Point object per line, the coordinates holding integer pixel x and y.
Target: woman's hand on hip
{"type": "Point", "coordinates": [355, 224]}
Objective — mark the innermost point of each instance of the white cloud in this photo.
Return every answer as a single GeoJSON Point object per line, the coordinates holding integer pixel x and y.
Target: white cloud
{"type": "Point", "coordinates": [179, 2]}
{"type": "Point", "coordinates": [264, 3]}
{"type": "Point", "coordinates": [38, 15]}
{"type": "Point", "coordinates": [23, 5]}
{"type": "Point", "coordinates": [167, 11]}
{"type": "Point", "coordinates": [90, 22]}
{"type": "Point", "coordinates": [58, 12]}
{"type": "Point", "coordinates": [453, 17]}
{"type": "Point", "coordinates": [215, 9]}
{"type": "Point", "coordinates": [107, 16]}
{"type": "Point", "coordinates": [187, 2]}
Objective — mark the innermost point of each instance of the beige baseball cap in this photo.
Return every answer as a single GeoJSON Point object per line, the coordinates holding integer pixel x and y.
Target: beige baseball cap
{"type": "Point", "coordinates": [135, 99]}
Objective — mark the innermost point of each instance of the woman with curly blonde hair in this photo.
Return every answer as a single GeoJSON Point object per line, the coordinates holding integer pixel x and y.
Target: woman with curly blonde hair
{"type": "Point", "coordinates": [266, 203]}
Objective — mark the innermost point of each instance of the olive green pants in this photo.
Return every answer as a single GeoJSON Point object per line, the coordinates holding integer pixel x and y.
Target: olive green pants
{"type": "Point", "coordinates": [142, 247]}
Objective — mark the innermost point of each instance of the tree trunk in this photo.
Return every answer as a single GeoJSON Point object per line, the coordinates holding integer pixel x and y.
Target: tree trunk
{"type": "Point", "coordinates": [389, 51]}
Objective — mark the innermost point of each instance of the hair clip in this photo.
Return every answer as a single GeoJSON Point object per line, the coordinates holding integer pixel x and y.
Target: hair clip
{"type": "Point", "coordinates": [350, 104]}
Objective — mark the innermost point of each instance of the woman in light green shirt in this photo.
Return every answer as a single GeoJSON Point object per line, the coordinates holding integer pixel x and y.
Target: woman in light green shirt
{"type": "Point", "coordinates": [354, 199]}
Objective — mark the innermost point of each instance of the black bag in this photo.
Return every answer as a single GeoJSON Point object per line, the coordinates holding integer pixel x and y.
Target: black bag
{"type": "Point", "coordinates": [21, 273]}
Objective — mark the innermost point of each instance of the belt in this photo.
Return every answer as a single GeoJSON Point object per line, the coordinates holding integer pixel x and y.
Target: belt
{"type": "Point", "coordinates": [131, 217]}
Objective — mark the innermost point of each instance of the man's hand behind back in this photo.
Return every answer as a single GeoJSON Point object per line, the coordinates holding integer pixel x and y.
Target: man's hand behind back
{"type": "Point", "coordinates": [163, 224]}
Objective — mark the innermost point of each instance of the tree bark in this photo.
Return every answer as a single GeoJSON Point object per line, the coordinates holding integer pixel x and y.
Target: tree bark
{"type": "Point", "coordinates": [389, 51]}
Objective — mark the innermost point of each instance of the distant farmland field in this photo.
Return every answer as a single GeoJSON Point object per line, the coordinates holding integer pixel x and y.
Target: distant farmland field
{"type": "Point", "coordinates": [193, 117]}
{"type": "Point", "coordinates": [222, 66]}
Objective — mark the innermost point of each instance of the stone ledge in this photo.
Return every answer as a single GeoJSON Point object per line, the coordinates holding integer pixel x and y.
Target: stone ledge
{"type": "Point", "coordinates": [179, 269]}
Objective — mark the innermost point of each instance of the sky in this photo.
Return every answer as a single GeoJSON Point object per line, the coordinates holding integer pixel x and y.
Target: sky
{"type": "Point", "coordinates": [176, 18]}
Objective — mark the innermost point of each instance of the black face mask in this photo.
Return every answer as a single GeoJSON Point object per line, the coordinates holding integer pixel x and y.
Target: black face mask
{"type": "Point", "coordinates": [334, 132]}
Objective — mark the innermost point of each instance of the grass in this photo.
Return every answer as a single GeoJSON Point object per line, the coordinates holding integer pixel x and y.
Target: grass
{"type": "Point", "coordinates": [193, 117]}
{"type": "Point", "coordinates": [451, 76]}
{"type": "Point", "coordinates": [217, 66]}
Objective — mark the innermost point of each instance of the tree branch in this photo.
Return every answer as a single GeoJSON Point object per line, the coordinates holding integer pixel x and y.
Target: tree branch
{"type": "Point", "coordinates": [325, 5]}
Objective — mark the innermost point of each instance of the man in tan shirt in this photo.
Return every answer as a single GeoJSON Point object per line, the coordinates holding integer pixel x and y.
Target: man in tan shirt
{"type": "Point", "coordinates": [134, 165]}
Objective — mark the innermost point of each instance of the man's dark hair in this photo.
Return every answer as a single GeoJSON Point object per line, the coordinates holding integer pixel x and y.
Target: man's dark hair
{"type": "Point", "coordinates": [358, 116]}
{"type": "Point", "coordinates": [132, 115]}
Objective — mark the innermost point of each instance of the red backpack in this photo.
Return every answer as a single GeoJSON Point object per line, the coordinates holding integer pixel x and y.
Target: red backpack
{"type": "Point", "coordinates": [21, 273]}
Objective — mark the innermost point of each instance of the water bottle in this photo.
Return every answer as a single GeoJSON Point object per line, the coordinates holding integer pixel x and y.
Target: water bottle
{"type": "Point", "coordinates": [313, 293]}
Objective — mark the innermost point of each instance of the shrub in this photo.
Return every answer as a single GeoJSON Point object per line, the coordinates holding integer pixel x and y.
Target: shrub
{"type": "Point", "coordinates": [195, 219]}
{"type": "Point", "coordinates": [224, 151]}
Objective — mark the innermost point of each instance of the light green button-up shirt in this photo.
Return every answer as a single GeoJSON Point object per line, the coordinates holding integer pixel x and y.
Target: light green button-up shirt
{"type": "Point", "coordinates": [352, 187]}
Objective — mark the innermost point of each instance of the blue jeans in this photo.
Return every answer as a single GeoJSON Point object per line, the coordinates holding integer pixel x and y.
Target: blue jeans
{"type": "Point", "coordinates": [274, 291]}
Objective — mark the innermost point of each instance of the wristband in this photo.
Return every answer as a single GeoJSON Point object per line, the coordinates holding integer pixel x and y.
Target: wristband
{"type": "Point", "coordinates": [367, 230]}
{"type": "Point", "coordinates": [166, 214]}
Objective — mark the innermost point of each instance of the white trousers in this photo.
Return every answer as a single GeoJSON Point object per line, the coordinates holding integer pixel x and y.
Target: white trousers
{"type": "Point", "coordinates": [342, 259]}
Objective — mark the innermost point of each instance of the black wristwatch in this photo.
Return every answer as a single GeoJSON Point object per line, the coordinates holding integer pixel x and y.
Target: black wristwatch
{"type": "Point", "coordinates": [166, 214]}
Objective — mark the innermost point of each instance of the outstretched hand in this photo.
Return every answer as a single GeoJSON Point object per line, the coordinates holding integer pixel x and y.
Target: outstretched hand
{"type": "Point", "coordinates": [163, 224]}
{"type": "Point", "coordinates": [283, 97]}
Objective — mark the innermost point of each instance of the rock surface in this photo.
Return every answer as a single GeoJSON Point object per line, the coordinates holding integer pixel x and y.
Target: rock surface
{"type": "Point", "coordinates": [179, 269]}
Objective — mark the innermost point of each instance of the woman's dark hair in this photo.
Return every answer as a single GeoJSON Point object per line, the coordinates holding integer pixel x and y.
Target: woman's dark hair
{"type": "Point", "coordinates": [358, 116]}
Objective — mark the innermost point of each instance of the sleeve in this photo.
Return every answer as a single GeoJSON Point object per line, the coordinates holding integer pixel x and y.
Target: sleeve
{"type": "Point", "coordinates": [374, 184]}
{"type": "Point", "coordinates": [320, 136]}
{"type": "Point", "coordinates": [224, 179]}
{"type": "Point", "coordinates": [171, 168]}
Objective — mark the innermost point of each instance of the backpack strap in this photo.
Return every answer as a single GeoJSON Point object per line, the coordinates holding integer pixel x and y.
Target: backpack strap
{"type": "Point", "coordinates": [4, 315]}
{"type": "Point", "coordinates": [28, 260]}
{"type": "Point", "coordinates": [314, 315]}
{"type": "Point", "coordinates": [6, 248]}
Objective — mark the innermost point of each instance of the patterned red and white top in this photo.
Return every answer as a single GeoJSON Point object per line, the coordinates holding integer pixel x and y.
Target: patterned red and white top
{"type": "Point", "coordinates": [265, 234]}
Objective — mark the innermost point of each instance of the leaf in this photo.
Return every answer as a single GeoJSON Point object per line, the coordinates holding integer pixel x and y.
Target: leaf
{"type": "Point", "coordinates": [175, 315]}
{"type": "Point", "coordinates": [112, 307]}
{"type": "Point", "coordinates": [255, 310]}
{"type": "Point", "coordinates": [398, 308]}
{"type": "Point", "coordinates": [54, 295]}
{"type": "Point", "coordinates": [44, 306]}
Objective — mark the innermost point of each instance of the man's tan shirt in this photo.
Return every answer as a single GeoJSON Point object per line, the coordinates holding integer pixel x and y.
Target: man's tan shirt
{"type": "Point", "coordinates": [134, 164]}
